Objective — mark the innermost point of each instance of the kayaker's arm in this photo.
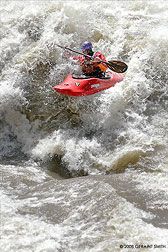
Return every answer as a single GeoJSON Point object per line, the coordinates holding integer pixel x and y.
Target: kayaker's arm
{"type": "Point", "coordinates": [100, 58]}
{"type": "Point", "coordinates": [98, 63]}
{"type": "Point", "coordinates": [74, 59]}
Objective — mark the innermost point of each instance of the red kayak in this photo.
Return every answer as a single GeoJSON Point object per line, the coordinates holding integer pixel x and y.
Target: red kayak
{"type": "Point", "coordinates": [84, 85]}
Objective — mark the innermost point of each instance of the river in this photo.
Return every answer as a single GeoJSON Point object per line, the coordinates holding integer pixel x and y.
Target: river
{"type": "Point", "coordinates": [83, 174]}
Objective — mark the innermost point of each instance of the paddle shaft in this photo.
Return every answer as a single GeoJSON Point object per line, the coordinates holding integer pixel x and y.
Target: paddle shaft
{"type": "Point", "coordinates": [76, 51]}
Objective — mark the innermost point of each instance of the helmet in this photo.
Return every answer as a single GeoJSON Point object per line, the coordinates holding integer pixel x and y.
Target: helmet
{"type": "Point", "coordinates": [86, 46]}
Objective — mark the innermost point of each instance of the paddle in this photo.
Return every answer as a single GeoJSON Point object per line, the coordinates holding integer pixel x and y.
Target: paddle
{"type": "Point", "coordinates": [114, 65]}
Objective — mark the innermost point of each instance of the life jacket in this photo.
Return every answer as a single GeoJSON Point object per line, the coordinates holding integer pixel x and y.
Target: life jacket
{"type": "Point", "coordinates": [92, 69]}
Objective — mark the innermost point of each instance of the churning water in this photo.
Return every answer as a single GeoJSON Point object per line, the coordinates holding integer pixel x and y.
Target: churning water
{"type": "Point", "coordinates": [84, 174]}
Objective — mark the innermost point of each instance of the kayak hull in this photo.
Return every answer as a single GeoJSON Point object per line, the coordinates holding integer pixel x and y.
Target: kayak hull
{"type": "Point", "coordinates": [82, 85]}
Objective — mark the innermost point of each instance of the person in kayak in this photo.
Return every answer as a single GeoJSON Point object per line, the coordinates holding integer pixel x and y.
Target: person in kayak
{"type": "Point", "coordinates": [90, 67]}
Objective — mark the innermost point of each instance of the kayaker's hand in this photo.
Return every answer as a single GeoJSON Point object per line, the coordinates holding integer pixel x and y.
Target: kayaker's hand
{"type": "Point", "coordinates": [68, 55]}
{"type": "Point", "coordinates": [64, 47]}
{"type": "Point", "coordinates": [96, 62]}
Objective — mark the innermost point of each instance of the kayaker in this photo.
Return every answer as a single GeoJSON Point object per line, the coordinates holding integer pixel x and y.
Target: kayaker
{"type": "Point", "coordinates": [90, 67]}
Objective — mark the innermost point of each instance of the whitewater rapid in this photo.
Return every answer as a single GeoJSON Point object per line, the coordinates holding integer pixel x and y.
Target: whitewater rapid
{"type": "Point", "coordinates": [89, 173]}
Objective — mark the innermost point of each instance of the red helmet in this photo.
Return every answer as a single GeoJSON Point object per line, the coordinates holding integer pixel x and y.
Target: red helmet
{"type": "Point", "coordinates": [86, 46]}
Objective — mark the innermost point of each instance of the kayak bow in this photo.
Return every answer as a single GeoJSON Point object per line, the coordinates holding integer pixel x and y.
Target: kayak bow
{"type": "Point", "coordinates": [84, 85]}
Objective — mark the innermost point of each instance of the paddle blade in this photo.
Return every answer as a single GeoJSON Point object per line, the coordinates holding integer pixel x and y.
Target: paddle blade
{"type": "Point", "coordinates": [117, 66]}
